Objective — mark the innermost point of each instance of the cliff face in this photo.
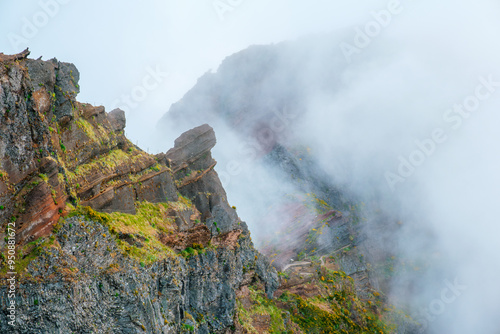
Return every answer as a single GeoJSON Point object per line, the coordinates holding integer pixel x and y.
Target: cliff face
{"type": "Point", "coordinates": [262, 95]}
{"type": "Point", "coordinates": [82, 283]}
{"type": "Point", "coordinates": [108, 237]}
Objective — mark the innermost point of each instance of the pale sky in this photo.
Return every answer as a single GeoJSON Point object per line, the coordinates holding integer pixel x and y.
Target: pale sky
{"type": "Point", "coordinates": [115, 44]}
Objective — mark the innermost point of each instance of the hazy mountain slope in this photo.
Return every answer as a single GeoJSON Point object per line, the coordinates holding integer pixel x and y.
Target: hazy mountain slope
{"type": "Point", "coordinates": [257, 100]}
{"type": "Point", "coordinates": [99, 236]}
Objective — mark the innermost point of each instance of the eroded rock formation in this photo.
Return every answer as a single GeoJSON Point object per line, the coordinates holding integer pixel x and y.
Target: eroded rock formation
{"type": "Point", "coordinates": [110, 238]}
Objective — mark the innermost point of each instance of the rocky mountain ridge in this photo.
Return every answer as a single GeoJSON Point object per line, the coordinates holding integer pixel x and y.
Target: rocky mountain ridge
{"type": "Point", "coordinates": [111, 239]}
{"type": "Point", "coordinates": [108, 237]}
{"type": "Point", "coordinates": [260, 95]}
{"type": "Point", "coordinates": [261, 98]}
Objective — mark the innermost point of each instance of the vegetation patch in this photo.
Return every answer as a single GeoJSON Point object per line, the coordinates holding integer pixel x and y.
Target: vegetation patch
{"type": "Point", "coordinates": [193, 251]}
{"type": "Point", "coordinates": [138, 235]}
{"type": "Point", "coordinates": [28, 253]}
{"type": "Point", "coordinates": [261, 307]}
{"type": "Point", "coordinates": [316, 204]}
{"type": "Point", "coordinates": [107, 164]}
{"type": "Point", "coordinates": [336, 308]}
{"type": "Point", "coordinates": [96, 133]}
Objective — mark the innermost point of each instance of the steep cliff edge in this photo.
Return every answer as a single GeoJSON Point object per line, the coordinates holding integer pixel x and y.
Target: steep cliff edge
{"type": "Point", "coordinates": [263, 99]}
{"type": "Point", "coordinates": [260, 95]}
{"type": "Point", "coordinates": [108, 238]}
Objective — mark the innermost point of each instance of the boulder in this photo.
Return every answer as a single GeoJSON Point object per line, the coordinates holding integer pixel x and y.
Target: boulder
{"type": "Point", "coordinates": [192, 145]}
{"type": "Point", "coordinates": [117, 119]}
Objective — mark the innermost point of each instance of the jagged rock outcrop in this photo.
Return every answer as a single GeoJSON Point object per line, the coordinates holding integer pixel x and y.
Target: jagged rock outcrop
{"type": "Point", "coordinates": [110, 238]}
{"type": "Point", "coordinates": [79, 148]}
{"type": "Point", "coordinates": [117, 119]}
{"type": "Point", "coordinates": [263, 96]}
{"type": "Point", "coordinates": [193, 169]}
{"type": "Point", "coordinates": [260, 95]}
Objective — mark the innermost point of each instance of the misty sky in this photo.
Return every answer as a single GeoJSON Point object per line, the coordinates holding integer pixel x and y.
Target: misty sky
{"type": "Point", "coordinates": [117, 44]}
{"type": "Point", "coordinates": [114, 43]}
